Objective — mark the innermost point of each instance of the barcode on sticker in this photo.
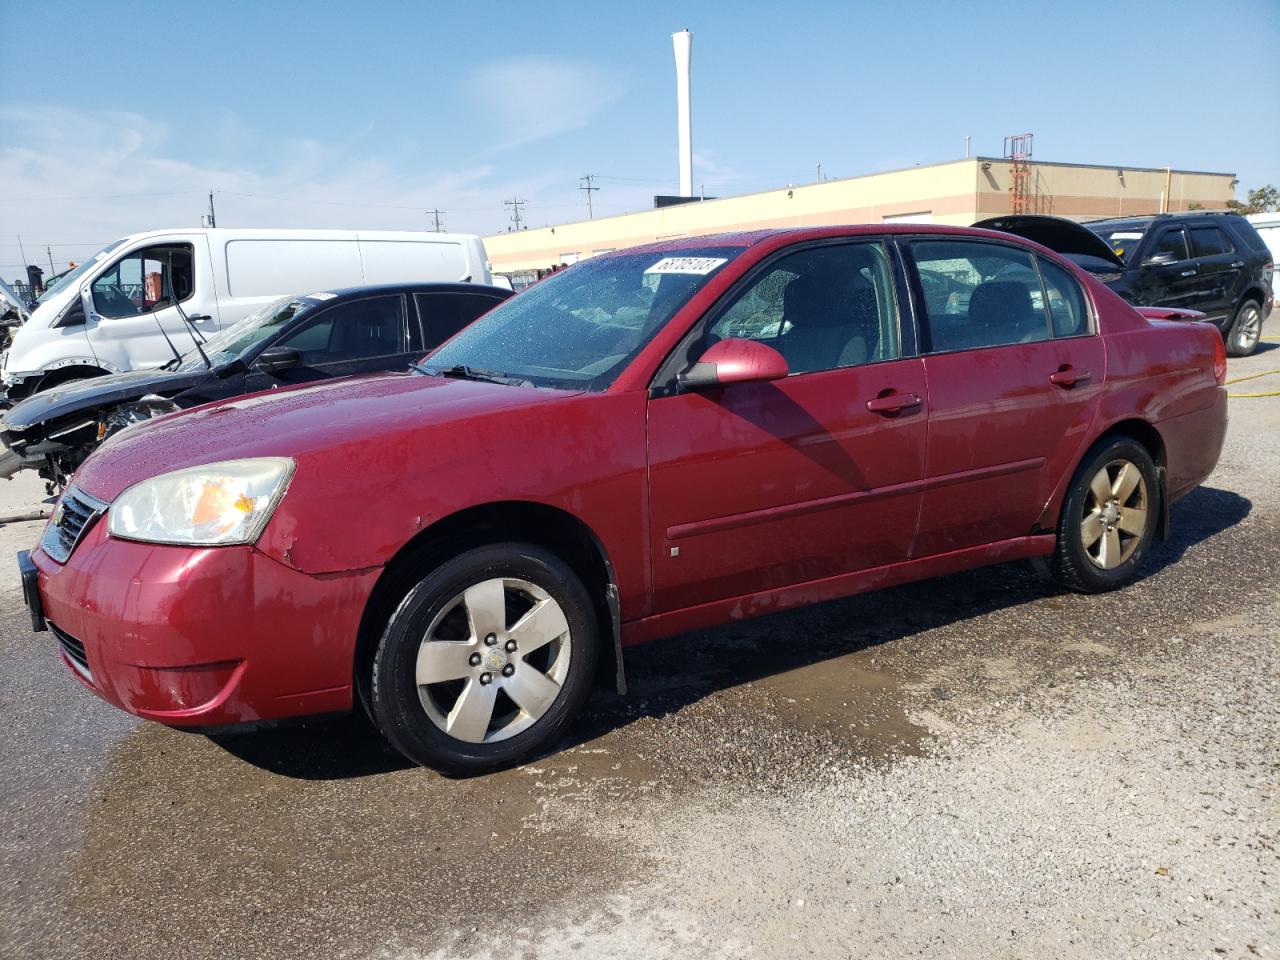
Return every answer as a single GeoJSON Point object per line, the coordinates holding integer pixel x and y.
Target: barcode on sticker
{"type": "Point", "coordinates": [696, 266]}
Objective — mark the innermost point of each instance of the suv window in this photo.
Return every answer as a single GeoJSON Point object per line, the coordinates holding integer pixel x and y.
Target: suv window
{"type": "Point", "coordinates": [444, 314]}
{"type": "Point", "coordinates": [1209, 241]}
{"type": "Point", "coordinates": [821, 308]}
{"type": "Point", "coordinates": [139, 282]}
{"type": "Point", "coordinates": [1173, 242]}
{"type": "Point", "coordinates": [363, 329]}
{"type": "Point", "coordinates": [979, 294]}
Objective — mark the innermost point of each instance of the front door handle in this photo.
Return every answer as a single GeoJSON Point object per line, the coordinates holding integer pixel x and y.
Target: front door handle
{"type": "Point", "coordinates": [1068, 377]}
{"type": "Point", "coordinates": [890, 403]}
{"type": "Point", "coordinates": [1188, 273]}
{"type": "Point", "coordinates": [1237, 265]}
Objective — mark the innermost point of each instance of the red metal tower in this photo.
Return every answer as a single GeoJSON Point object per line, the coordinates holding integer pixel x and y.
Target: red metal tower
{"type": "Point", "coordinates": [1017, 149]}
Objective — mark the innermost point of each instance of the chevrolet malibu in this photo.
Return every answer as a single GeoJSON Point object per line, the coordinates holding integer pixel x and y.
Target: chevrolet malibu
{"type": "Point", "coordinates": [653, 441]}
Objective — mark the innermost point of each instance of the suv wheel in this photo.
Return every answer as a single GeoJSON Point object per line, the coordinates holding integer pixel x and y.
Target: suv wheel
{"type": "Point", "coordinates": [1108, 518]}
{"type": "Point", "coordinates": [486, 659]}
{"type": "Point", "coordinates": [1246, 330]}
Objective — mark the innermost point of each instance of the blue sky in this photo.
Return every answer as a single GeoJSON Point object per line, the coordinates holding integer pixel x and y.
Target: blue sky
{"type": "Point", "coordinates": [366, 115]}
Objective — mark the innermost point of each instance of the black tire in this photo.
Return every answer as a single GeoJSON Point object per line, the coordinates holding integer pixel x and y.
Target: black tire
{"type": "Point", "coordinates": [400, 707]}
{"type": "Point", "coordinates": [1072, 564]}
{"type": "Point", "coordinates": [1245, 332]}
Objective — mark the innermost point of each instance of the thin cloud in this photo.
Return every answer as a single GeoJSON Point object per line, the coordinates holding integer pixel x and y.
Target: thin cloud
{"type": "Point", "coordinates": [536, 98]}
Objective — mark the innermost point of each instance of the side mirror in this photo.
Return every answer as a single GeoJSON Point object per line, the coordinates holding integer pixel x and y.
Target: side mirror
{"type": "Point", "coordinates": [734, 361]}
{"type": "Point", "coordinates": [1159, 260]}
{"type": "Point", "coordinates": [274, 359]}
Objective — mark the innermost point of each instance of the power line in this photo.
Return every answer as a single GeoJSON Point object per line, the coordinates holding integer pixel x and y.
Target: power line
{"type": "Point", "coordinates": [588, 186]}
{"type": "Point", "coordinates": [97, 196]}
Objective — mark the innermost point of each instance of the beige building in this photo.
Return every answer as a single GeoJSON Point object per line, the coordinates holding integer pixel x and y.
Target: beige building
{"type": "Point", "coordinates": [959, 193]}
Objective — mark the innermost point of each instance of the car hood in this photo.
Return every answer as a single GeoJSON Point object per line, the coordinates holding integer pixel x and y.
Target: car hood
{"type": "Point", "coordinates": [96, 393]}
{"type": "Point", "coordinates": [302, 423]}
{"type": "Point", "coordinates": [1062, 236]}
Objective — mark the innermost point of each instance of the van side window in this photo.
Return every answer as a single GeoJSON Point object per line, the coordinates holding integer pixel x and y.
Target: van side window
{"type": "Point", "coordinates": [143, 280]}
{"type": "Point", "coordinates": [445, 313]}
{"type": "Point", "coordinates": [1066, 301]}
{"type": "Point", "coordinates": [1173, 242]}
{"type": "Point", "coordinates": [978, 294]}
{"type": "Point", "coordinates": [373, 327]}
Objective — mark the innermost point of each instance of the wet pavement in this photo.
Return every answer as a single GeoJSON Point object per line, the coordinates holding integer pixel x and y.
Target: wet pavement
{"type": "Point", "coordinates": [975, 766]}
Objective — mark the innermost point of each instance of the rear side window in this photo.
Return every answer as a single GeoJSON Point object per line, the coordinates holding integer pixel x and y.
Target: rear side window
{"type": "Point", "coordinates": [979, 295]}
{"type": "Point", "coordinates": [822, 308]}
{"type": "Point", "coordinates": [373, 327]}
{"type": "Point", "coordinates": [1066, 301]}
{"type": "Point", "coordinates": [1172, 242]}
{"type": "Point", "coordinates": [444, 314]}
{"type": "Point", "coordinates": [1209, 241]}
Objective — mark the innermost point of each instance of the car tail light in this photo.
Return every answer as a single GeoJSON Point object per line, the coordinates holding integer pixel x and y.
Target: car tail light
{"type": "Point", "coordinates": [1219, 360]}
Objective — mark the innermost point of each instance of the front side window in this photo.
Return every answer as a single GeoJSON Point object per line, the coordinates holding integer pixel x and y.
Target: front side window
{"type": "Point", "coordinates": [821, 308]}
{"type": "Point", "coordinates": [144, 280]}
{"type": "Point", "coordinates": [1209, 241]}
{"type": "Point", "coordinates": [578, 329]}
{"type": "Point", "coordinates": [363, 329]}
{"type": "Point", "coordinates": [978, 295]}
{"type": "Point", "coordinates": [1172, 244]}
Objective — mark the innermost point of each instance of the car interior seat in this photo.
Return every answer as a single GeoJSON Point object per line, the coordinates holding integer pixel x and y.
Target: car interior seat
{"type": "Point", "coordinates": [830, 322]}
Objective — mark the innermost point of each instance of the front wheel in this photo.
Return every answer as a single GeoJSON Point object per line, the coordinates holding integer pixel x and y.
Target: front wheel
{"type": "Point", "coordinates": [1246, 330]}
{"type": "Point", "coordinates": [1108, 519]}
{"type": "Point", "coordinates": [486, 660]}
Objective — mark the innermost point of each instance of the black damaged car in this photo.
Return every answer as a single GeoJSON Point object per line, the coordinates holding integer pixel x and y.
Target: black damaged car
{"type": "Point", "coordinates": [294, 340]}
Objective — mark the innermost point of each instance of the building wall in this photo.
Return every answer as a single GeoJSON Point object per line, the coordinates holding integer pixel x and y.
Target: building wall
{"type": "Point", "coordinates": [955, 193]}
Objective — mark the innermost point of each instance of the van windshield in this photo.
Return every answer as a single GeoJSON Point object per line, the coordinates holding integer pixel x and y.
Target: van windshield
{"type": "Point", "coordinates": [578, 328]}
{"type": "Point", "coordinates": [56, 284]}
{"type": "Point", "coordinates": [252, 330]}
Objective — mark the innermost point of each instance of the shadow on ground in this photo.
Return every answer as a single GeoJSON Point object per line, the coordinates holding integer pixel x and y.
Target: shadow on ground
{"type": "Point", "coordinates": [669, 674]}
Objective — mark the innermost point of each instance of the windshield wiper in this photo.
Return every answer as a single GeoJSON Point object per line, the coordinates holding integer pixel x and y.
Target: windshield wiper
{"type": "Point", "coordinates": [463, 372]}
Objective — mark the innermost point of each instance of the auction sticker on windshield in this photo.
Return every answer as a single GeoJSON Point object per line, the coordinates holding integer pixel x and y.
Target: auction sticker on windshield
{"type": "Point", "coordinates": [695, 266]}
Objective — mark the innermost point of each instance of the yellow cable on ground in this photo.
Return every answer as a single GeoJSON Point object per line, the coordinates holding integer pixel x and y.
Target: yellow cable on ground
{"type": "Point", "coordinates": [1253, 376]}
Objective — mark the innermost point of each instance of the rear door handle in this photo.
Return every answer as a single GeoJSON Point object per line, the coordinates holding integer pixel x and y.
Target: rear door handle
{"type": "Point", "coordinates": [1188, 273]}
{"type": "Point", "coordinates": [893, 403]}
{"type": "Point", "coordinates": [1237, 265]}
{"type": "Point", "coordinates": [1069, 377]}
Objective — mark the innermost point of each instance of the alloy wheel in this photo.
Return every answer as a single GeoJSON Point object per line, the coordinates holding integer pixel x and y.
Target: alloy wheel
{"type": "Point", "coordinates": [494, 660]}
{"type": "Point", "coordinates": [1115, 514]}
{"type": "Point", "coordinates": [1250, 327]}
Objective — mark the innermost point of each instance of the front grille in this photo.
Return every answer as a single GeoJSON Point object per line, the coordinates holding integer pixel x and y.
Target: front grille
{"type": "Point", "coordinates": [72, 519]}
{"type": "Point", "coordinates": [74, 650]}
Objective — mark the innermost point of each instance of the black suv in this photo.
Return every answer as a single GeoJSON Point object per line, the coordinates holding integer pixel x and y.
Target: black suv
{"type": "Point", "coordinates": [1212, 262]}
{"type": "Point", "coordinates": [1208, 261]}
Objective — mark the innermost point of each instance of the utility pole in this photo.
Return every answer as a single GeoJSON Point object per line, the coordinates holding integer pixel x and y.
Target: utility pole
{"type": "Point", "coordinates": [436, 213]}
{"type": "Point", "coordinates": [587, 185]}
{"type": "Point", "coordinates": [515, 206]}
{"type": "Point", "coordinates": [21, 251]}
{"type": "Point", "coordinates": [49, 250]}
{"type": "Point", "coordinates": [211, 220]}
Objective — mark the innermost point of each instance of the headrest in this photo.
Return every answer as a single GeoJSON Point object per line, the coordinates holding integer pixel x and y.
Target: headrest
{"type": "Point", "coordinates": [999, 303]}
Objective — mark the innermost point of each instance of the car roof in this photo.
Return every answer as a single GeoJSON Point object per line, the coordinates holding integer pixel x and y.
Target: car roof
{"type": "Point", "coordinates": [423, 287]}
{"type": "Point", "coordinates": [1153, 217]}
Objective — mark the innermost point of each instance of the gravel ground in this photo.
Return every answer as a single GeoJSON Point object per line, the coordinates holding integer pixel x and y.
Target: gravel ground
{"type": "Point", "coordinates": [980, 766]}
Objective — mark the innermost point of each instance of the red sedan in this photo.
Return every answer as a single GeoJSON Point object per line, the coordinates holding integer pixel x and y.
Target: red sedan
{"type": "Point", "coordinates": [653, 441]}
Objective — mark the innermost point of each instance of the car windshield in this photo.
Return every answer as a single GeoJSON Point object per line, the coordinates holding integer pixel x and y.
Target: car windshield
{"type": "Point", "coordinates": [1123, 240]}
{"type": "Point", "coordinates": [578, 328]}
{"type": "Point", "coordinates": [252, 330]}
{"type": "Point", "coordinates": [57, 283]}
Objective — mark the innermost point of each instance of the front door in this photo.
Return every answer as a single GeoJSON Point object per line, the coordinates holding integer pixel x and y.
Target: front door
{"type": "Point", "coordinates": [1168, 276]}
{"type": "Point", "coordinates": [763, 485]}
{"type": "Point", "coordinates": [1015, 372]}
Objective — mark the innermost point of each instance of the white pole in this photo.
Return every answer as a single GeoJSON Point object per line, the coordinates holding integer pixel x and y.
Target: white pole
{"type": "Point", "coordinates": [683, 43]}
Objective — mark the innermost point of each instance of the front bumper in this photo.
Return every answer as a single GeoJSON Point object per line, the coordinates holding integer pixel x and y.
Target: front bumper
{"type": "Point", "coordinates": [197, 637]}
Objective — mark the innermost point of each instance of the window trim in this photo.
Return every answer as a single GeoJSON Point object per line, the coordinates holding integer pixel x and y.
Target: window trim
{"type": "Point", "coordinates": [664, 381]}
{"type": "Point", "coordinates": [319, 315]}
{"type": "Point", "coordinates": [115, 264]}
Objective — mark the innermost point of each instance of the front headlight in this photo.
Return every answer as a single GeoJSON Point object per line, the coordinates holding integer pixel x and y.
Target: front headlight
{"type": "Point", "coordinates": [211, 505]}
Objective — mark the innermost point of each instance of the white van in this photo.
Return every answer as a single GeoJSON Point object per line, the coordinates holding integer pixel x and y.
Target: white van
{"type": "Point", "coordinates": [115, 311]}
{"type": "Point", "coordinates": [1268, 227]}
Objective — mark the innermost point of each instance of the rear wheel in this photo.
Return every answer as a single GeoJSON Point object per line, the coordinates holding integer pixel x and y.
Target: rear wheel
{"type": "Point", "coordinates": [486, 660]}
{"type": "Point", "coordinates": [1246, 329]}
{"type": "Point", "coordinates": [1108, 518]}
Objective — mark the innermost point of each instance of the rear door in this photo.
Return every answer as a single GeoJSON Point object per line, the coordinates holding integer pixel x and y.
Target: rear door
{"type": "Point", "coordinates": [1220, 269]}
{"type": "Point", "coordinates": [356, 336]}
{"type": "Point", "coordinates": [1014, 371]}
{"type": "Point", "coordinates": [763, 485]}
